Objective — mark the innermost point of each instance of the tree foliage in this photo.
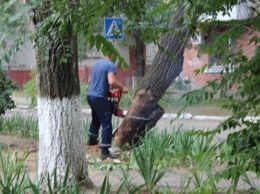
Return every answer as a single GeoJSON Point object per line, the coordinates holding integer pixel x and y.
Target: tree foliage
{"type": "Point", "coordinates": [83, 15]}
{"type": "Point", "coordinates": [149, 18]}
{"type": "Point", "coordinates": [238, 82]}
{"type": "Point", "coordinates": [14, 28]}
{"type": "Point", "coordinates": [6, 89]}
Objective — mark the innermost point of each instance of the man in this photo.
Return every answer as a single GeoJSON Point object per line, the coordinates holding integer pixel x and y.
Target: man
{"type": "Point", "coordinates": [101, 80]}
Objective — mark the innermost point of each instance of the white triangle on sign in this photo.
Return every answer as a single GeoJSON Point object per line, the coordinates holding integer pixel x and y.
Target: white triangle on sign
{"type": "Point", "coordinates": [114, 29]}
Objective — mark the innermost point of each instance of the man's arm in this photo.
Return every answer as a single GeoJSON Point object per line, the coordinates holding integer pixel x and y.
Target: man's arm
{"type": "Point", "coordinates": [114, 83]}
{"type": "Point", "coordinates": [89, 78]}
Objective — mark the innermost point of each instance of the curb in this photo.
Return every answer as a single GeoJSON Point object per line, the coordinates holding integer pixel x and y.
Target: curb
{"type": "Point", "coordinates": [188, 116]}
{"type": "Point", "coordinates": [184, 116]}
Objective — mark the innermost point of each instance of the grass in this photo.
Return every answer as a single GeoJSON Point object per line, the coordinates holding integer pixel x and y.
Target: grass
{"type": "Point", "coordinates": [19, 93]}
{"type": "Point", "coordinates": [158, 153]}
{"type": "Point", "coordinates": [19, 125]}
{"type": "Point", "coordinates": [171, 102]}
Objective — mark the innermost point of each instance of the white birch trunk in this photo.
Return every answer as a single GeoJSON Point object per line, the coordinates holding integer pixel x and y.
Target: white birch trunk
{"type": "Point", "coordinates": [61, 140]}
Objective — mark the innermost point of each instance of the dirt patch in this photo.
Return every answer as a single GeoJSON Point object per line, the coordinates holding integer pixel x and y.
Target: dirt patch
{"type": "Point", "coordinates": [23, 146]}
{"type": "Point", "coordinates": [18, 142]}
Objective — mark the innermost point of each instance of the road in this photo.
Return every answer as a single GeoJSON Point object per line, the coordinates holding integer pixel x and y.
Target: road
{"type": "Point", "coordinates": [167, 122]}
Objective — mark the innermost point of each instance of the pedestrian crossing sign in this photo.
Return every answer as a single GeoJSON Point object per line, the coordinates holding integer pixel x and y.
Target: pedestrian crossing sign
{"type": "Point", "coordinates": [113, 28]}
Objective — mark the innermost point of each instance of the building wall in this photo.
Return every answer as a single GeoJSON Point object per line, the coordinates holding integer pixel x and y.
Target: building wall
{"type": "Point", "coordinates": [192, 61]}
{"type": "Point", "coordinates": [20, 72]}
{"type": "Point", "coordinates": [19, 75]}
{"type": "Point", "coordinates": [248, 49]}
{"type": "Point", "coordinates": [124, 76]}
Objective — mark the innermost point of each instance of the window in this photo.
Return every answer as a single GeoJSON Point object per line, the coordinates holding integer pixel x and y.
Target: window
{"type": "Point", "coordinates": [216, 59]}
{"type": "Point", "coordinates": [196, 39]}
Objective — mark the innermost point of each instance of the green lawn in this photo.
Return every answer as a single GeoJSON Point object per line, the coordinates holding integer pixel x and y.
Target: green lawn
{"type": "Point", "coordinates": [171, 103]}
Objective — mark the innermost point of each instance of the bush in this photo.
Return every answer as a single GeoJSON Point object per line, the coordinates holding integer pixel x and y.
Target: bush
{"type": "Point", "coordinates": [30, 90]}
{"type": "Point", "coordinates": [83, 93]}
{"type": "Point", "coordinates": [182, 84]}
{"type": "Point", "coordinates": [6, 88]}
{"type": "Point", "coordinates": [127, 99]}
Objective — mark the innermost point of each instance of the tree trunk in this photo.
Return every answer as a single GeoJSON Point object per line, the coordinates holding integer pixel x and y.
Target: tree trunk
{"type": "Point", "coordinates": [166, 66]}
{"type": "Point", "coordinates": [139, 56]}
{"type": "Point", "coordinates": [61, 140]}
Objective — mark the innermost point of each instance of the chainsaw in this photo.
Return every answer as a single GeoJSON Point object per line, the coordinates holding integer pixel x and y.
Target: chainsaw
{"type": "Point", "coordinates": [114, 98]}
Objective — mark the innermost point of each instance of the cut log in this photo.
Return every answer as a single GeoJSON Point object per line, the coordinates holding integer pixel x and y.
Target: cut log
{"type": "Point", "coordinates": [143, 106]}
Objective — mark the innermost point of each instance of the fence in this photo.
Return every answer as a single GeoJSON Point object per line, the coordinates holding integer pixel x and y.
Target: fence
{"type": "Point", "coordinates": [22, 74]}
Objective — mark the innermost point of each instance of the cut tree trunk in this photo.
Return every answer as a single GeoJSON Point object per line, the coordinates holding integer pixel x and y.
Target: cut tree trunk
{"type": "Point", "coordinates": [61, 140]}
{"type": "Point", "coordinates": [166, 66]}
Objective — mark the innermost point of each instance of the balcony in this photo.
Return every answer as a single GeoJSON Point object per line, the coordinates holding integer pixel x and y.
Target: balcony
{"type": "Point", "coordinates": [238, 12]}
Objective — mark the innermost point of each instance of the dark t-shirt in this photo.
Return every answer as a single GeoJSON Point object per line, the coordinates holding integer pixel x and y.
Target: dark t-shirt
{"type": "Point", "coordinates": [99, 85]}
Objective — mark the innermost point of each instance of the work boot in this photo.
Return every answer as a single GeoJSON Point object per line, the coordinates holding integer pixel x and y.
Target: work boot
{"type": "Point", "coordinates": [106, 154]}
{"type": "Point", "coordinates": [92, 142]}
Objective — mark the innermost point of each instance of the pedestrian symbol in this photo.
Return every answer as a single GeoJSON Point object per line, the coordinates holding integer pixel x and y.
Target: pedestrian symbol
{"type": "Point", "coordinates": [113, 28]}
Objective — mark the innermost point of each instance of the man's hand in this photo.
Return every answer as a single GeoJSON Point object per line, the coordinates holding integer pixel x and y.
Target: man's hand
{"type": "Point", "coordinates": [116, 84]}
{"type": "Point", "coordinates": [124, 90]}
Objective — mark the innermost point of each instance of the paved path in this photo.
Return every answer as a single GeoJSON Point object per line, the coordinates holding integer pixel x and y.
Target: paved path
{"type": "Point", "coordinates": [167, 122]}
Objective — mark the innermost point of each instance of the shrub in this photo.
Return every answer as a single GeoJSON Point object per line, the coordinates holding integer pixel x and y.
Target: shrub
{"type": "Point", "coordinates": [83, 93]}
{"type": "Point", "coordinates": [30, 90]}
{"type": "Point", "coordinates": [6, 89]}
{"type": "Point", "coordinates": [182, 84]}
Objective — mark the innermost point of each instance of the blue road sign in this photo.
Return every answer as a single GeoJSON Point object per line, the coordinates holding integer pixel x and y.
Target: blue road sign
{"type": "Point", "coordinates": [113, 28]}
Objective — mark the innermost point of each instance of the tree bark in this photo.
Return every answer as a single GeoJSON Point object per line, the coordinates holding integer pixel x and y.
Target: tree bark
{"type": "Point", "coordinates": [166, 66]}
{"type": "Point", "coordinates": [139, 56]}
{"type": "Point", "coordinates": [61, 140]}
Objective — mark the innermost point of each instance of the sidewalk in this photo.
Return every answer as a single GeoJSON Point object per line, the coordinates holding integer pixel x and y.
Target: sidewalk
{"type": "Point", "coordinates": [22, 105]}
{"type": "Point", "coordinates": [175, 180]}
{"type": "Point", "coordinates": [184, 116]}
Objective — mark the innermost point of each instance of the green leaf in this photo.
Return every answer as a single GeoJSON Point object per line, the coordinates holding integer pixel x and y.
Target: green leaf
{"type": "Point", "coordinates": [9, 4]}
{"type": "Point", "coordinates": [15, 17]}
{"type": "Point", "coordinates": [92, 41]}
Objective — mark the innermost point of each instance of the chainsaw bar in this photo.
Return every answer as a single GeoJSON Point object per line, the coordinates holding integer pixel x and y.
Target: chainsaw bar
{"type": "Point", "coordinates": [131, 117]}
{"type": "Point", "coordinates": [138, 118]}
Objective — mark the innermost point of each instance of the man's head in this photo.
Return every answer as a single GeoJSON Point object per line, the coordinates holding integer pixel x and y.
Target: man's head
{"type": "Point", "coordinates": [109, 55]}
